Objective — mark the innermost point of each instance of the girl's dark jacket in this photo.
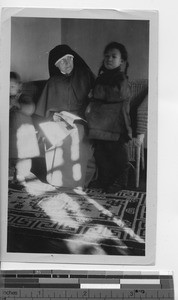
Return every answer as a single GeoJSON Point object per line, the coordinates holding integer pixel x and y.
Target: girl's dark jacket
{"type": "Point", "coordinates": [108, 112]}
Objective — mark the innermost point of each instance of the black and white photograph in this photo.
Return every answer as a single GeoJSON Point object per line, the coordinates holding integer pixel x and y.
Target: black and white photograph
{"type": "Point", "coordinates": [79, 136]}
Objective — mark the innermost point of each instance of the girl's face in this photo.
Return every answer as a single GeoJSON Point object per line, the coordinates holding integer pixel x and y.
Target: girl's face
{"type": "Point", "coordinates": [65, 64]}
{"type": "Point", "coordinates": [14, 87]}
{"type": "Point", "coordinates": [112, 59]}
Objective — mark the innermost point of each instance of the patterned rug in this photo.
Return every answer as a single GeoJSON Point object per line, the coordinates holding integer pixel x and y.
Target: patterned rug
{"type": "Point", "coordinates": [77, 222]}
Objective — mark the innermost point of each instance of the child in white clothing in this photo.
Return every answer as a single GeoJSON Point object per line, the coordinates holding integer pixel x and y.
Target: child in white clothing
{"type": "Point", "coordinates": [23, 144]}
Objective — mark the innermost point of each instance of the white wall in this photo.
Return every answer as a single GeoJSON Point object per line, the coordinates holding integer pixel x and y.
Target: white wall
{"type": "Point", "coordinates": [89, 38]}
{"type": "Point", "coordinates": [167, 211]}
{"type": "Point", "coordinates": [32, 39]}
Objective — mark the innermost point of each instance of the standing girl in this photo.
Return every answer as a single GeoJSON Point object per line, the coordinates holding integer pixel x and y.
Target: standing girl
{"type": "Point", "coordinates": [109, 120]}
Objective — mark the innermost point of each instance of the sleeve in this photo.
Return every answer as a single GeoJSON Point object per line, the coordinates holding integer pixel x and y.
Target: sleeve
{"type": "Point", "coordinates": [41, 107]}
{"type": "Point", "coordinates": [126, 96]}
{"type": "Point", "coordinates": [126, 114]}
{"type": "Point", "coordinates": [138, 111]}
{"type": "Point", "coordinates": [125, 92]}
{"type": "Point", "coordinates": [142, 116]}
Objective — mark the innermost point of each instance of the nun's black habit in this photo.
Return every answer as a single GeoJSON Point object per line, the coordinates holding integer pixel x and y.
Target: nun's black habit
{"type": "Point", "coordinates": [67, 156]}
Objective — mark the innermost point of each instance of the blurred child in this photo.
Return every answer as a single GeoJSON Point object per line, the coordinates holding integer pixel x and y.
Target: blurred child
{"type": "Point", "coordinates": [23, 144]}
{"type": "Point", "coordinates": [109, 120]}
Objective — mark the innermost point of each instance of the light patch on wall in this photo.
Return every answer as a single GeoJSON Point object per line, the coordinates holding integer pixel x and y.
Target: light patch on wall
{"type": "Point", "coordinates": [77, 173]}
{"type": "Point", "coordinates": [75, 153]}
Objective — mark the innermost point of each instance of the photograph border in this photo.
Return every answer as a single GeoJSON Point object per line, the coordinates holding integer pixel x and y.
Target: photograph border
{"type": "Point", "coordinates": [151, 191]}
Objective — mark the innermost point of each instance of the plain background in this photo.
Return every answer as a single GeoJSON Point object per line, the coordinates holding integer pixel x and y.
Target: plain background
{"type": "Point", "coordinates": [167, 210]}
{"type": "Point", "coordinates": [88, 37]}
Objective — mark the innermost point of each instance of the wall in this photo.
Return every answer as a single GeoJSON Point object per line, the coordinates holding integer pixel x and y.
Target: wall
{"type": "Point", "coordinates": [89, 38]}
{"type": "Point", "coordinates": [32, 39]}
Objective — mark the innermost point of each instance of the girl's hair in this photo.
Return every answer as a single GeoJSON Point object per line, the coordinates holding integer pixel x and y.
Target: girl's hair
{"type": "Point", "coordinates": [122, 50]}
{"type": "Point", "coordinates": [118, 46]}
{"type": "Point", "coordinates": [15, 76]}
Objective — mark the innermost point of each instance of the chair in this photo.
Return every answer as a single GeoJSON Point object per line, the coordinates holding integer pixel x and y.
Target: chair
{"type": "Point", "coordinates": [139, 120]}
{"type": "Point", "coordinates": [136, 156]}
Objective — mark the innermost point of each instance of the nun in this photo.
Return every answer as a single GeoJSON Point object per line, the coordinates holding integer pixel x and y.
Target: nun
{"type": "Point", "coordinates": [61, 108]}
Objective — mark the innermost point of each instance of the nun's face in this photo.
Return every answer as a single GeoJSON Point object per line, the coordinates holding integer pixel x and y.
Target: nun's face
{"type": "Point", "coordinates": [65, 64]}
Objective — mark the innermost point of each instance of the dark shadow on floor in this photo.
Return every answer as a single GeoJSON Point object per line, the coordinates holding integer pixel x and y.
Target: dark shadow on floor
{"type": "Point", "coordinates": [40, 171]}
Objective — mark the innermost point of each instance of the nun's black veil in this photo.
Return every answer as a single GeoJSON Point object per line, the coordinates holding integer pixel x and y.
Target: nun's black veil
{"type": "Point", "coordinates": [58, 52]}
{"type": "Point", "coordinates": [80, 81]}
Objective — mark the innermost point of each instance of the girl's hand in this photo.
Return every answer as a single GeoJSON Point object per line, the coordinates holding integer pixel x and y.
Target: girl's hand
{"type": "Point", "coordinates": [138, 141]}
{"type": "Point", "coordinates": [56, 117]}
{"type": "Point", "coordinates": [90, 95]}
{"type": "Point", "coordinates": [140, 138]}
